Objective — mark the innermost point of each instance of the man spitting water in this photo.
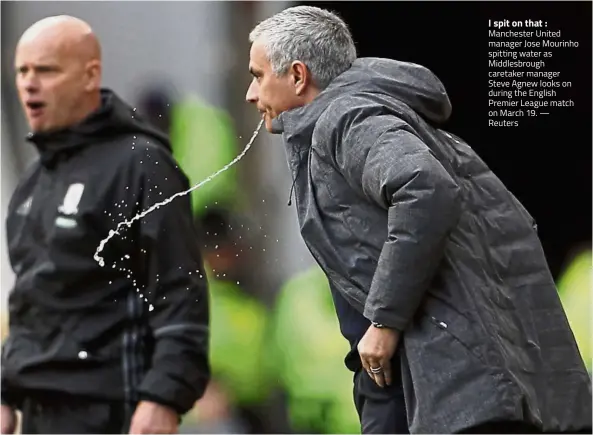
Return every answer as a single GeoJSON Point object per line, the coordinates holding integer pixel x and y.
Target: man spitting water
{"type": "Point", "coordinates": [387, 203]}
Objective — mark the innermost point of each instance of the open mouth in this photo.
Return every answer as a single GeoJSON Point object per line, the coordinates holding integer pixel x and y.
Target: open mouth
{"type": "Point", "coordinates": [35, 107]}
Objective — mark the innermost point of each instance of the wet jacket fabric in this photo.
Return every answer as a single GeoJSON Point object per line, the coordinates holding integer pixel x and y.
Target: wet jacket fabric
{"type": "Point", "coordinates": [134, 329]}
{"type": "Point", "coordinates": [417, 233]}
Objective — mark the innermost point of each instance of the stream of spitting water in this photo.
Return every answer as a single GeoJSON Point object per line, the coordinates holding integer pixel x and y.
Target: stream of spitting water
{"type": "Point", "coordinates": [129, 223]}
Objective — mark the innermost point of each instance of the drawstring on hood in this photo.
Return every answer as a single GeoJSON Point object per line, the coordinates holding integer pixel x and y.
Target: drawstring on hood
{"type": "Point", "coordinates": [293, 183]}
{"type": "Point", "coordinates": [414, 85]}
{"type": "Point", "coordinates": [112, 119]}
{"type": "Point", "coordinates": [292, 188]}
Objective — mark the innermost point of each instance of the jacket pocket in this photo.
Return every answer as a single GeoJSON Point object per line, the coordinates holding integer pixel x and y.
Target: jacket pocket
{"type": "Point", "coordinates": [449, 322]}
{"type": "Point", "coordinates": [457, 336]}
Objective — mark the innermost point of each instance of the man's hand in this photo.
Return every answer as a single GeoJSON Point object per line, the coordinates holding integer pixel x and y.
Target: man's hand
{"type": "Point", "coordinates": [8, 420]}
{"type": "Point", "coordinates": [214, 405]}
{"type": "Point", "coordinates": [153, 418]}
{"type": "Point", "coordinates": [376, 349]}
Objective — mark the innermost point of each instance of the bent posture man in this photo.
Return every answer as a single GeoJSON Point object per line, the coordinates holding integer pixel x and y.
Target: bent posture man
{"type": "Point", "coordinates": [89, 347]}
{"type": "Point", "coordinates": [426, 251]}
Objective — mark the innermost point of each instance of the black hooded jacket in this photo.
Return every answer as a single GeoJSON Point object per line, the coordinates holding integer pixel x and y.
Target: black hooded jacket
{"type": "Point", "coordinates": [135, 328]}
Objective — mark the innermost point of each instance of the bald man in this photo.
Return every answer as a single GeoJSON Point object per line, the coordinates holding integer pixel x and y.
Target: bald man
{"type": "Point", "coordinates": [91, 348]}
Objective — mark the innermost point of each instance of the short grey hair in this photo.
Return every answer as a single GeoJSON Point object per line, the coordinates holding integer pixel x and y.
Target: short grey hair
{"type": "Point", "coordinates": [317, 37]}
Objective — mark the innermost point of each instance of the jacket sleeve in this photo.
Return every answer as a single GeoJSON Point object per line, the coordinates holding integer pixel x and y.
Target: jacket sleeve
{"type": "Point", "coordinates": [177, 289]}
{"type": "Point", "coordinates": [398, 172]}
{"type": "Point", "coordinates": [8, 396]}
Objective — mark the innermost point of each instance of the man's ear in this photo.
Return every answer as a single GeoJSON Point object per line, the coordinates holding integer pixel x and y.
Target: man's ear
{"type": "Point", "coordinates": [93, 73]}
{"type": "Point", "coordinates": [301, 77]}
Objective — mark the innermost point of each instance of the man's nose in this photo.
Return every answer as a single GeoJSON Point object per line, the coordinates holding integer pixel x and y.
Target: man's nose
{"type": "Point", "coordinates": [251, 96]}
{"type": "Point", "coordinates": [31, 87]}
{"type": "Point", "coordinates": [30, 83]}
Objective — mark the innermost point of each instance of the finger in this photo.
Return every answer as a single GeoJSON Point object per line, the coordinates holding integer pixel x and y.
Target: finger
{"type": "Point", "coordinates": [377, 375]}
{"type": "Point", "coordinates": [366, 367]}
{"type": "Point", "coordinates": [380, 379]}
{"type": "Point", "coordinates": [136, 429]}
{"type": "Point", "coordinates": [387, 375]}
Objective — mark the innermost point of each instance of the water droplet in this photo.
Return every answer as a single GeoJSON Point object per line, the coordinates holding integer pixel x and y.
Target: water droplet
{"type": "Point", "coordinates": [83, 354]}
{"type": "Point", "coordinates": [150, 308]}
{"type": "Point", "coordinates": [139, 216]}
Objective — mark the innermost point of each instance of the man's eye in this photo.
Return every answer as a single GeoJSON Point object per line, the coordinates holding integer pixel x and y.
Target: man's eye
{"type": "Point", "coordinates": [45, 69]}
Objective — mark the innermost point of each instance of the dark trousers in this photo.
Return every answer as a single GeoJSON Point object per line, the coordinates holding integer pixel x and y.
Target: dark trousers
{"type": "Point", "coordinates": [381, 410]}
{"type": "Point", "coordinates": [64, 414]}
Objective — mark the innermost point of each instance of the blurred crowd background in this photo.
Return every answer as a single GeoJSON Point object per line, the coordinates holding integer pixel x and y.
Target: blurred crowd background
{"type": "Point", "coordinates": [277, 354]}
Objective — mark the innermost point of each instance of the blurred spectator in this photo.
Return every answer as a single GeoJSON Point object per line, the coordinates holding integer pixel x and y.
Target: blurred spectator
{"type": "Point", "coordinates": [239, 355]}
{"type": "Point", "coordinates": [310, 352]}
{"type": "Point", "coordinates": [204, 141]}
{"type": "Point", "coordinates": [155, 106]}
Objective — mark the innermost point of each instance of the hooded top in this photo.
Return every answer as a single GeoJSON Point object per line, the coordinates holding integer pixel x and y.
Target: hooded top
{"type": "Point", "coordinates": [135, 328]}
{"type": "Point", "coordinates": [415, 232]}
